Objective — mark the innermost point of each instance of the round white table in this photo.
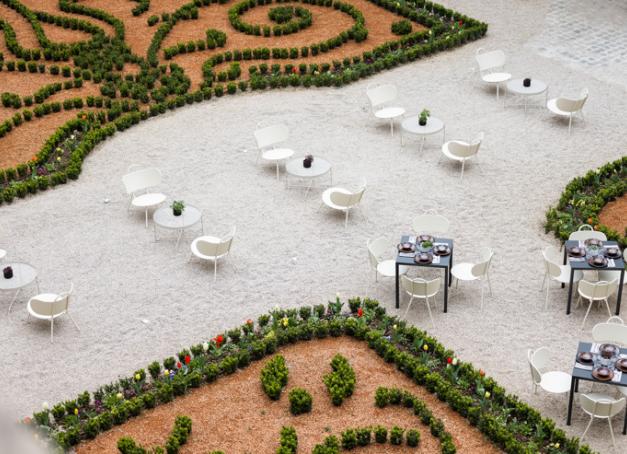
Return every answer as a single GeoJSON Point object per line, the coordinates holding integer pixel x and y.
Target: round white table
{"type": "Point", "coordinates": [390, 113]}
{"type": "Point", "coordinates": [163, 217]}
{"type": "Point", "coordinates": [23, 275]}
{"type": "Point", "coordinates": [433, 126]}
{"type": "Point", "coordinates": [537, 87]}
{"type": "Point", "coordinates": [319, 168]}
{"type": "Point", "coordinates": [277, 155]}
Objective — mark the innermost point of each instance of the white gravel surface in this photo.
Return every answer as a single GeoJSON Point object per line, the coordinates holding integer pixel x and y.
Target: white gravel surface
{"type": "Point", "coordinates": [140, 300]}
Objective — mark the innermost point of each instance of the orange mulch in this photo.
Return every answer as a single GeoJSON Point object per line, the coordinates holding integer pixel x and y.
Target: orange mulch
{"type": "Point", "coordinates": [23, 31]}
{"type": "Point", "coordinates": [614, 214]}
{"type": "Point", "coordinates": [58, 34]}
{"type": "Point", "coordinates": [234, 415]}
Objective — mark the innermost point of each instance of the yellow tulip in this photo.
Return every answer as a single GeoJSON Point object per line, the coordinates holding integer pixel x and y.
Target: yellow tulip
{"type": "Point", "coordinates": [76, 411]}
{"type": "Point", "coordinates": [425, 347]}
{"type": "Point", "coordinates": [487, 394]}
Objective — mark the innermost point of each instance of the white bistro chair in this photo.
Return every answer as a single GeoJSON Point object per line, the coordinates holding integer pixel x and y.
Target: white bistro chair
{"type": "Point", "coordinates": [430, 224]}
{"type": "Point", "coordinates": [380, 97]}
{"type": "Point", "coordinates": [585, 234]}
{"type": "Point", "coordinates": [567, 107]}
{"type": "Point", "coordinates": [556, 382]}
{"type": "Point", "coordinates": [3, 254]}
{"type": "Point", "coordinates": [475, 271]}
{"type": "Point", "coordinates": [492, 67]}
{"type": "Point", "coordinates": [377, 249]}
{"type": "Point", "coordinates": [267, 140]}
{"type": "Point", "coordinates": [596, 291]}
{"type": "Point", "coordinates": [342, 199]}
{"type": "Point", "coordinates": [212, 248]}
{"type": "Point", "coordinates": [422, 289]}
{"type": "Point", "coordinates": [49, 306]}
{"type": "Point", "coordinates": [555, 271]}
{"type": "Point", "coordinates": [611, 275]}
{"type": "Point", "coordinates": [139, 185]}
{"type": "Point", "coordinates": [601, 406]}
{"type": "Point", "coordinates": [460, 151]}
{"type": "Point", "coordinates": [610, 332]}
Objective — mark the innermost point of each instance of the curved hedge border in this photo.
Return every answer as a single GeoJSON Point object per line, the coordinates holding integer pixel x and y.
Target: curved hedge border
{"type": "Point", "coordinates": [301, 19]}
{"type": "Point", "coordinates": [511, 424]}
{"type": "Point", "coordinates": [584, 198]}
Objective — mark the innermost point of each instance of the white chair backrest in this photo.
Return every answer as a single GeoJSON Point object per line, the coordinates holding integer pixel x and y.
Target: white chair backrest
{"type": "Point", "coordinates": [271, 135]}
{"type": "Point", "coordinates": [381, 94]}
{"type": "Point", "coordinates": [536, 375]}
{"type": "Point", "coordinates": [551, 266]}
{"type": "Point", "coordinates": [615, 319]}
{"type": "Point", "coordinates": [376, 248]}
{"type": "Point", "coordinates": [347, 200]}
{"type": "Point", "coordinates": [463, 149]}
{"type": "Point", "coordinates": [582, 235]}
{"type": "Point", "coordinates": [420, 287]}
{"type": "Point", "coordinates": [488, 61]}
{"type": "Point", "coordinates": [572, 105]}
{"type": "Point", "coordinates": [56, 307]}
{"type": "Point", "coordinates": [612, 333]}
{"type": "Point", "coordinates": [602, 407]}
{"type": "Point", "coordinates": [481, 268]}
{"type": "Point", "coordinates": [585, 227]}
{"type": "Point", "coordinates": [212, 249]}
{"type": "Point", "coordinates": [597, 290]}
{"type": "Point", "coordinates": [140, 180]}
{"type": "Point", "coordinates": [430, 224]}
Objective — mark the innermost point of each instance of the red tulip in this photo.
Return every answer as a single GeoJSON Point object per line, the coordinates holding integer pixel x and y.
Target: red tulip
{"type": "Point", "coordinates": [360, 312]}
{"type": "Point", "coordinates": [481, 373]}
{"type": "Point", "coordinates": [179, 365]}
{"type": "Point", "coordinates": [187, 359]}
{"type": "Point", "coordinates": [449, 360]}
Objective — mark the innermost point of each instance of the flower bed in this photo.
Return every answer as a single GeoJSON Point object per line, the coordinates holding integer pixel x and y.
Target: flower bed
{"type": "Point", "coordinates": [129, 98]}
{"type": "Point", "coordinates": [584, 198]}
{"type": "Point", "coordinates": [511, 424]}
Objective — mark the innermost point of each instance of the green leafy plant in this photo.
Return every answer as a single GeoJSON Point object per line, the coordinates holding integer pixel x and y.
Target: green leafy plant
{"type": "Point", "coordinates": [423, 117]}
{"type": "Point", "coordinates": [300, 401]}
{"type": "Point", "coordinates": [274, 377]}
{"type": "Point", "coordinates": [178, 206]}
{"type": "Point", "coordinates": [402, 27]}
{"type": "Point", "coordinates": [341, 381]}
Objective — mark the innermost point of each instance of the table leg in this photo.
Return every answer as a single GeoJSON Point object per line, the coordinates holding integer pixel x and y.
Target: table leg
{"type": "Point", "coordinates": [446, 284]}
{"type": "Point", "coordinates": [37, 284]}
{"type": "Point", "coordinates": [154, 230]}
{"type": "Point", "coordinates": [422, 143]}
{"type": "Point", "coordinates": [443, 134]}
{"type": "Point", "coordinates": [401, 134]}
{"type": "Point", "coordinates": [397, 292]}
{"type": "Point", "coordinates": [450, 272]}
{"type": "Point", "coordinates": [570, 400]}
{"type": "Point", "coordinates": [14, 300]}
{"type": "Point", "coordinates": [564, 260]}
{"type": "Point", "coordinates": [625, 423]}
{"type": "Point", "coordinates": [178, 239]}
{"type": "Point", "coordinates": [620, 292]}
{"type": "Point", "coordinates": [202, 224]}
{"type": "Point", "coordinates": [497, 90]}
{"type": "Point", "coordinates": [570, 290]}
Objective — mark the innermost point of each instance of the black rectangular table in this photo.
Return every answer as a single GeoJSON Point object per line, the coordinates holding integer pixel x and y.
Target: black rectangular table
{"type": "Point", "coordinates": [584, 374]}
{"type": "Point", "coordinates": [446, 262]}
{"type": "Point", "coordinates": [583, 265]}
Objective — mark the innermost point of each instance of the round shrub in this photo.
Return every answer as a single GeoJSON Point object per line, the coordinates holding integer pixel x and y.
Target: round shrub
{"type": "Point", "coordinates": [300, 401]}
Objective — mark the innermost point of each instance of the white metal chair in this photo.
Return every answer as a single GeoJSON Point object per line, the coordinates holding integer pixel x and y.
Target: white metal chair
{"type": "Point", "coordinates": [475, 271]}
{"type": "Point", "coordinates": [567, 107]}
{"type": "Point", "coordinates": [342, 199]}
{"type": "Point", "coordinates": [609, 332]}
{"type": "Point", "coordinates": [611, 275]}
{"type": "Point", "coordinates": [139, 185]}
{"type": "Point", "coordinates": [212, 248]}
{"type": "Point", "coordinates": [460, 151]}
{"type": "Point", "coordinates": [584, 234]}
{"type": "Point", "coordinates": [3, 254]}
{"type": "Point", "coordinates": [380, 97]}
{"type": "Point", "coordinates": [430, 224]}
{"type": "Point", "coordinates": [377, 248]}
{"type": "Point", "coordinates": [267, 140]}
{"type": "Point", "coordinates": [555, 271]}
{"type": "Point", "coordinates": [601, 406]}
{"type": "Point", "coordinates": [492, 67]}
{"type": "Point", "coordinates": [49, 306]}
{"type": "Point", "coordinates": [555, 382]}
{"type": "Point", "coordinates": [596, 291]}
{"type": "Point", "coordinates": [422, 289]}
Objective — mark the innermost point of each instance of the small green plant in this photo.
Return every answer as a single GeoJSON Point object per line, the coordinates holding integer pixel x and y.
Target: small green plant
{"type": "Point", "coordinates": [424, 115]}
{"type": "Point", "coordinates": [274, 377]}
{"type": "Point", "coordinates": [288, 443]}
{"type": "Point", "coordinates": [178, 206]}
{"type": "Point", "coordinates": [396, 435]}
{"type": "Point", "coordinates": [281, 14]}
{"type": "Point", "coordinates": [402, 27]}
{"type": "Point", "coordinates": [300, 401]}
{"type": "Point", "coordinates": [412, 437]}
{"type": "Point", "coordinates": [341, 382]}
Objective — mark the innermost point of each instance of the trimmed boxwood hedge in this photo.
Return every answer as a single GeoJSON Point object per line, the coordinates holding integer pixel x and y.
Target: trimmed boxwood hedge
{"type": "Point", "coordinates": [511, 424]}
{"type": "Point", "coordinates": [584, 198]}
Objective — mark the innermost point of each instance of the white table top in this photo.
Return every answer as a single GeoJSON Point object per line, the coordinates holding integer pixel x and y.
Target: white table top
{"type": "Point", "coordinates": [23, 275]}
{"type": "Point", "coordinates": [163, 217]}
{"type": "Point", "coordinates": [277, 154]}
{"type": "Point", "coordinates": [516, 86]}
{"type": "Point", "coordinates": [318, 168]}
{"type": "Point", "coordinates": [434, 124]}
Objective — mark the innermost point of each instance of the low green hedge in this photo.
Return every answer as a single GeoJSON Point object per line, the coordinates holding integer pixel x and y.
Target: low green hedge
{"type": "Point", "coordinates": [584, 198]}
{"type": "Point", "coordinates": [511, 424]}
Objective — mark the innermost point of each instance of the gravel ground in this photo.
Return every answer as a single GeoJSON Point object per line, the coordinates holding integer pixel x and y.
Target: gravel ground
{"type": "Point", "coordinates": [139, 300]}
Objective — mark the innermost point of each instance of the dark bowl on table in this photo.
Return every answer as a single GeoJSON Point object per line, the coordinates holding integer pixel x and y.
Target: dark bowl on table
{"type": "Point", "coordinates": [441, 249]}
{"type": "Point", "coordinates": [608, 350]}
{"type": "Point", "coordinates": [576, 251]}
{"type": "Point", "coordinates": [584, 357]}
{"type": "Point", "coordinates": [603, 373]}
{"type": "Point", "coordinates": [423, 238]}
{"type": "Point", "coordinates": [423, 258]}
{"type": "Point", "coordinates": [406, 247]}
{"type": "Point", "coordinates": [612, 252]}
{"type": "Point", "coordinates": [597, 261]}
{"type": "Point", "coordinates": [621, 364]}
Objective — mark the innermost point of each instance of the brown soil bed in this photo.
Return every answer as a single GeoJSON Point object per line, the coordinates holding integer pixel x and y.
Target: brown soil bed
{"type": "Point", "coordinates": [23, 31]}
{"type": "Point", "coordinates": [58, 34]}
{"type": "Point", "coordinates": [614, 214]}
{"type": "Point", "coordinates": [25, 84]}
{"type": "Point", "coordinates": [234, 415]}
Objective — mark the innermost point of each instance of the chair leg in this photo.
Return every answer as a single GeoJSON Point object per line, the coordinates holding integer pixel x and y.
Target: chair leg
{"type": "Point", "coordinates": [408, 306]}
{"type": "Point", "coordinates": [546, 299]}
{"type": "Point", "coordinates": [489, 283]}
{"type": "Point", "coordinates": [461, 177]}
{"type": "Point", "coordinates": [215, 270]}
{"type": "Point", "coordinates": [73, 321]}
{"type": "Point", "coordinates": [609, 422]}
{"type": "Point", "coordinates": [607, 305]}
{"type": "Point", "coordinates": [51, 330]}
{"type": "Point", "coordinates": [346, 219]}
{"type": "Point", "coordinates": [543, 282]}
{"type": "Point", "coordinates": [482, 285]}
{"type": "Point", "coordinates": [430, 314]}
{"type": "Point", "coordinates": [570, 122]}
{"type": "Point", "coordinates": [586, 316]}
{"type": "Point", "coordinates": [146, 212]}
{"type": "Point", "coordinates": [587, 427]}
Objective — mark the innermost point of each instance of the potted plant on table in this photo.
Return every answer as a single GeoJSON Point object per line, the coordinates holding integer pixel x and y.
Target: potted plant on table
{"type": "Point", "coordinates": [7, 272]}
{"type": "Point", "coordinates": [178, 206]}
{"type": "Point", "coordinates": [307, 161]}
{"type": "Point", "coordinates": [426, 246]}
{"type": "Point", "coordinates": [424, 115]}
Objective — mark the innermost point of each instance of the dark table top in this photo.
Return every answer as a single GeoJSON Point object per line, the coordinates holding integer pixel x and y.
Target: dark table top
{"type": "Point", "coordinates": [619, 264]}
{"type": "Point", "coordinates": [585, 374]}
{"type": "Point", "coordinates": [445, 261]}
